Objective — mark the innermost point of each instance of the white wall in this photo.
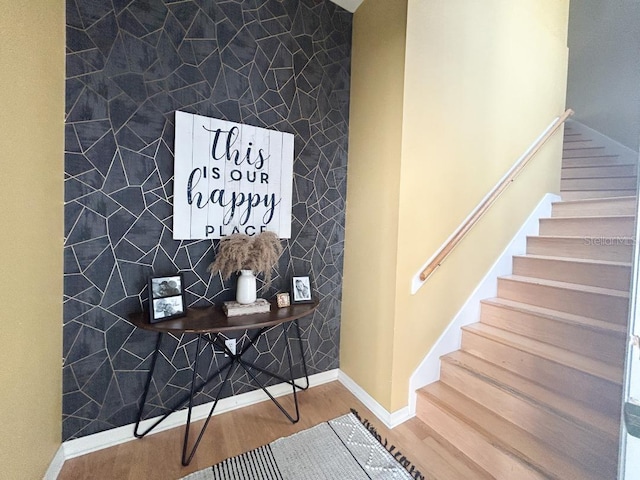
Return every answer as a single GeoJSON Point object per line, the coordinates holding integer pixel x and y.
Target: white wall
{"type": "Point", "coordinates": [604, 67]}
{"type": "Point", "coordinates": [629, 467]}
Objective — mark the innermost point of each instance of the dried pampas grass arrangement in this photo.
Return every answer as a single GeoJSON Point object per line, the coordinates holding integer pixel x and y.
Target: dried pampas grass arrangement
{"type": "Point", "coordinates": [242, 252]}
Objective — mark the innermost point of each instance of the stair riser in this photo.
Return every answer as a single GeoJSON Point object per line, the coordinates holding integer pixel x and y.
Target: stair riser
{"type": "Point", "coordinates": [593, 151]}
{"type": "Point", "coordinates": [599, 171]}
{"type": "Point", "coordinates": [573, 138]}
{"type": "Point", "coordinates": [615, 249]}
{"type": "Point", "coordinates": [623, 206]}
{"type": "Point", "coordinates": [593, 161]}
{"type": "Point", "coordinates": [604, 307]}
{"type": "Point", "coordinates": [585, 195]}
{"type": "Point", "coordinates": [585, 445]}
{"type": "Point", "coordinates": [471, 443]}
{"type": "Point", "coordinates": [574, 143]}
{"type": "Point", "coordinates": [579, 184]}
{"type": "Point", "coordinates": [617, 277]}
{"type": "Point", "coordinates": [584, 226]}
{"type": "Point", "coordinates": [597, 344]}
{"type": "Point", "coordinates": [597, 393]}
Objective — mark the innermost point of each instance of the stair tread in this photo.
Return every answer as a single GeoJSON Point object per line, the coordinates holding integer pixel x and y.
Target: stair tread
{"type": "Point", "coordinates": [558, 355]}
{"type": "Point", "coordinates": [445, 462]}
{"type": "Point", "coordinates": [596, 200]}
{"type": "Point", "coordinates": [590, 217]}
{"type": "Point", "coordinates": [619, 205]}
{"type": "Point", "coordinates": [590, 148]}
{"type": "Point", "coordinates": [554, 402]}
{"type": "Point", "coordinates": [622, 164]}
{"type": "Point", "coordinates": [618, 248]}
{"type": "Point", "coordinates": [567, 286]}
{"type": "Point", "coordinates": [594, 194]}
{"type": "Point", "coordinates": [587, 261]}
{"type": "Point", "coordinates": [557, 237]}
{"type": "Point", "coordinates": [598, 188]}
{"type": "Point", "coordinates": [557, 315]}
{"type": "Point", "coordinates": [503, 434]}
{"type": "Point", "coordinates": [597, 155]}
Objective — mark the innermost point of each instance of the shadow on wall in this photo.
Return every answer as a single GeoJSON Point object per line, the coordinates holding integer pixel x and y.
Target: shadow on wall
{"type": "Point", "coordinates": [130, 65]}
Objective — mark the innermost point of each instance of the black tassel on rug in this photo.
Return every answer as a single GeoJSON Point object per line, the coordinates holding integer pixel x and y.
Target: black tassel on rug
{"type": "Point", "coordinates": [397, 454]}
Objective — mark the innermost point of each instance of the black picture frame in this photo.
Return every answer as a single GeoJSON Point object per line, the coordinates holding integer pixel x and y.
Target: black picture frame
{"type": "Point", "coordinates": [301, 291]}
{"type": "Point", "coordinates": [166, 297]}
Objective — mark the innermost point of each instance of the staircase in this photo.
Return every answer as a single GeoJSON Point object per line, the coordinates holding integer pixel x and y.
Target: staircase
{"type": "Point", "coordinates": [535, 390]}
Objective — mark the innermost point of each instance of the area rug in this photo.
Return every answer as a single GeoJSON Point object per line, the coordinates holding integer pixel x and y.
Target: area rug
{"type": "Point", "coordinates": [342, 449]}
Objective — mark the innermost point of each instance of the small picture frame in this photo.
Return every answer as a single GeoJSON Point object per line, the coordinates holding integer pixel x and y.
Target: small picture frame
{"type": "Point", "coordinates": [283, 300]}
{"type": "Point", "coordinates": [301, 289]}
{"type": "Point", "coordinates": [166, 298]}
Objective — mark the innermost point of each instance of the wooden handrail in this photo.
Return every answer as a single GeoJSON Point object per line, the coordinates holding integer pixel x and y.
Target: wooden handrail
{"type": "Point", "coordinates": [482, 208]}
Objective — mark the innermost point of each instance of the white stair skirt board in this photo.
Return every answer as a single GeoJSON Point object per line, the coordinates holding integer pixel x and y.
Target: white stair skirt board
{"type": "Point", "coordinates": [611, 147]}
{"type": "Point", "coordinates": [429, 369]}
{"type": "Point", "coordinates": [115, 436]}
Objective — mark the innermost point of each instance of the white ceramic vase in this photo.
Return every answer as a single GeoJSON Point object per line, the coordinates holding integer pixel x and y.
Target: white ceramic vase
{"type": "Point", "coordinates": [246, 287]}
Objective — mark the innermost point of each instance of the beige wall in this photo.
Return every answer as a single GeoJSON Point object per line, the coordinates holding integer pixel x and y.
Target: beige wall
{"type": "Point", "coordinates": [31, 196]}
{"type": "Point", "coordinates": [481, 81]}
{"type": "Point", "coordinates": [377, 76]}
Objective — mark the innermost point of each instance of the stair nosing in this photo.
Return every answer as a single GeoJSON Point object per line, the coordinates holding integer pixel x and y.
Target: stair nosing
{"type": "Point", "coordinates": [598, 177]}
{"type": "Point", "coordinates": [589, 217]}
{"type": "Point", "coordinates": [614, 155]}
{"type": "Point", "coordinates": [603, 166]}
{"type": "Point", "coordinates": [585, 261]}
{"type": "Point", "coordinates": [593, 200]}
{"type": "Point", "coordinates": [594, 147]}
{"type": "Point", "coordinates": [560, 237]}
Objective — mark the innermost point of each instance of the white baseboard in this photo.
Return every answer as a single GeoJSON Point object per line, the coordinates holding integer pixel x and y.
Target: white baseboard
{"type": "Point", "coordinates": [429, 369]}
{"type": "Point", "coordinates": [389, 419]}
{"type": "Point", "coordinates": [55, 466]}
{"type": "Point", "coordinates": [116, 436]}
{"type": "Point", "coordinates": [98, 441]}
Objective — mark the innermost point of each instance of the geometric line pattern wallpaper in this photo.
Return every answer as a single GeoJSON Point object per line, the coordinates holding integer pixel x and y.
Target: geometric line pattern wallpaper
{"type": "Point", "coordinates": [277, 64]}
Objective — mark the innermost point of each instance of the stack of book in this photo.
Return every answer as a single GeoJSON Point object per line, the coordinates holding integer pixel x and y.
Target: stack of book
{"type": "Point", "coordinates": [233, 308]}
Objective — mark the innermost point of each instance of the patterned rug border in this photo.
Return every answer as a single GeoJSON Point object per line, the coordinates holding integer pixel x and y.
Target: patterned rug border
{"type": "Point", "coordinates": [261, 462]}
{"type": "Point", "coordinates": [398, 456]}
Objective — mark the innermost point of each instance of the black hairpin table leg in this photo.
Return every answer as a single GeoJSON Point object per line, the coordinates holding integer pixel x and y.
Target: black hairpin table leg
{"type": "Point", "coordinates": [184, 401]}
{"type": "Point", "coordinates": [187, 459]}
{"type": "Point", "coordinates": [249, 366]}
{"type": "Point", "coordinates": [212, 337]}
{"type": "Point", "coordinates": [304, 362]}
{"type": "Point", "coordinates": [146, 392]}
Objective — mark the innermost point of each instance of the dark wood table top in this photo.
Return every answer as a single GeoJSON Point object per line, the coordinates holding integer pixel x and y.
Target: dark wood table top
{"type": "Point", "coordinates": [213, 319]}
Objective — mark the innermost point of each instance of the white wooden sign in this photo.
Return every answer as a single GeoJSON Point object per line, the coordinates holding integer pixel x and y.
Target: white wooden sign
{"type": "Point", "coordinates": [230, 178]}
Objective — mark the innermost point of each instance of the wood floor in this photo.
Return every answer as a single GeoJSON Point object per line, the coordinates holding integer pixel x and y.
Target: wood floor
{"type": "Point", "coordinates": [158, 456]}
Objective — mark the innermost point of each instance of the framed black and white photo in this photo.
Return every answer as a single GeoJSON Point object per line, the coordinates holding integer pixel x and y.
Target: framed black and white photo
{"type": "Point", "coordinates": [166, 298]}
{"type": "Point", "coordinates": [301, 289]}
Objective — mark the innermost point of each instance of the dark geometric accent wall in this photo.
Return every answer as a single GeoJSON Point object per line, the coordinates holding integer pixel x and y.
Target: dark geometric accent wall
{"type": "Point", "coordinates": [283, 65]}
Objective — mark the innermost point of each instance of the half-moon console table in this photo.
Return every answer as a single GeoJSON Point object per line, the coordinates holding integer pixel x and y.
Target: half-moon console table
{"type": "Point", "coordinates": [208, 323]}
